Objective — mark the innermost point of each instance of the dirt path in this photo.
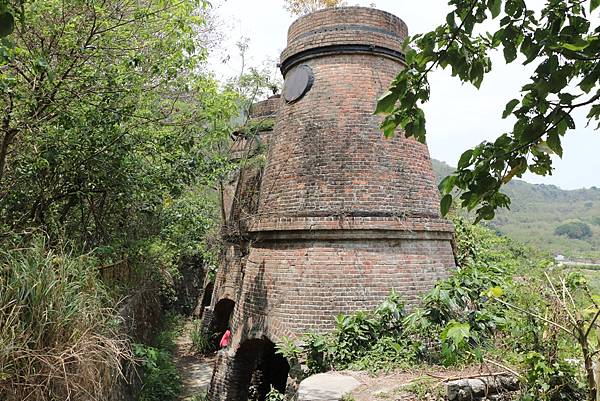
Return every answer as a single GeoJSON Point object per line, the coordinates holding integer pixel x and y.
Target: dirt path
{"type": "Point", "coordinates": [195, 370]}
{"type": "Point", "coordinates": [396, 386]}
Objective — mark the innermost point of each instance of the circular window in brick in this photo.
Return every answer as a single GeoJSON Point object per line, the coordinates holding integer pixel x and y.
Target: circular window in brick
{"type": "Point", "coordinates": [297, 84]}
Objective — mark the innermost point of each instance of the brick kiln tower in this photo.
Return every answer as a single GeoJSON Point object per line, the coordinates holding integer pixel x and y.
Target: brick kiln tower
{"type": "Point", "coordinates": [240, 202]}
{"type": "Point", "coordinates": [344, 215]}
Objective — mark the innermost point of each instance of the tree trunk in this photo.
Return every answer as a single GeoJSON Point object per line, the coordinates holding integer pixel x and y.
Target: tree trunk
{"type": "Point", "coordinates": [589, 367]}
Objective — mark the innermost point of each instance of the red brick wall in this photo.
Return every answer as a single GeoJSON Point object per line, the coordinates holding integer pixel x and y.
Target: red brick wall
{"type": "Point", "coordinates": [351, 25]}
{"type": "Point", "coordinates": [299, 286]}
{"type": "Point", "coordinates": [329, 157]}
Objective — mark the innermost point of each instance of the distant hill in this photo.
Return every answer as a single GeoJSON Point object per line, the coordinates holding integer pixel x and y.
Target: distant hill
{"type": "Point", "coordinates": [537, 210]}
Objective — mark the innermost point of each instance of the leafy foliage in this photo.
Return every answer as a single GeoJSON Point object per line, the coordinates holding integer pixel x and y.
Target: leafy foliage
{"type": "Point", "coordinates": [560, 39]}
{"type": "Point", "coordinates": [201, 343]}
{"type": "Point", "coordinates": [574, 229]}
{"type": "Point", "coordinates": [113, 138]}
{"type": "Point", "coordinates": [160, 379]}
{"type": "Point", "coordinates": [457, 320]}
{"type": "Point", "coordinates": [301, 7]}
{"type": "Point", "coordinates": [104, 125]}
{"type": "Point", "coordinates": [546, 380]}
{"type": "Point", "coordinates": [113, 144]}
{"type": "Point", "coordinates": [505, 302]}
{"type": "Point", "coordinates": [275, 395]}
{"type": "Point", "coordinates": [535, 212]}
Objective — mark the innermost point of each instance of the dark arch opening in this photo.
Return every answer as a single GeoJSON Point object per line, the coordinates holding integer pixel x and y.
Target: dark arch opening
{"type": "Point", "coordinates": [256, 368]}
{"type": "Point", "coordinates": [205, 301]}
{"type": "Point", "coordinates": [207, 297]}
{"type": "Point", "coordinates": [222, 314]}
{"type": "Point", "coordinates": [221, 320]}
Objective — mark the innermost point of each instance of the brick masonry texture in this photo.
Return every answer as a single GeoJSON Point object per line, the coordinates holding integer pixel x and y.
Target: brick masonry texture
{"type": "Point", "coordinates": [240, 199]}
{"type": "Point", "coordinates": [343, 215]}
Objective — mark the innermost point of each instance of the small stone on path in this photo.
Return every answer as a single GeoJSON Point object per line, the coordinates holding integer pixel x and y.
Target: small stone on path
{"type": "Point", "coordinates": [326, 387]}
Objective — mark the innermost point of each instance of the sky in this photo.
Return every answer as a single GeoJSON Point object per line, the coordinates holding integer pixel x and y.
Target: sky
{"type": "Point", "coordinates": [458, 116]}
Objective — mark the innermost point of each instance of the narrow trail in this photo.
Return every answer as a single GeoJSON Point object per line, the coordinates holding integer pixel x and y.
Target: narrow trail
{"type": "Point", "coordinates": [195, 370]}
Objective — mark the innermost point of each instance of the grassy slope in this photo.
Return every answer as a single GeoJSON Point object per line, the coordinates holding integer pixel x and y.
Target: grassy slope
{"type": "Point", "coordinates": [537, 210]}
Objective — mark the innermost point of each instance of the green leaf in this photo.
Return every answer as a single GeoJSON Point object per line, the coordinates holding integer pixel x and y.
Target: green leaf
{"type": "Point", "coordinates": [510, 106]}
{"type": "Point", "coordinates": [553, 143]}
{"type": "Point", "coordinates": [579, 45]}
{"type": "Point", "coordinates": [7, 24]}
{"type": "Point", "coordinates": [457, 332]}
{"type": "Point", "coordinates": [495, 292]}
{"type": "Point", "coordinates": [510, 53]}
{"type": "Point", "coordinates": [445, 204]}
{"type": "Point", "coordinates": [447, 184]}
{"type": "Point", "coordinates": [386, 103]}
{"type": "Point", "coordinates": [496, 7]}
{"type": "Point", "coordinates": [410, 56]}
{"type": "Point", "coordinates": [594, 5]}
{"type": "Point", "coordinates": [465, 159]}
{"type": "Point", "coordinates": [389, 127]}
{"type": "Point", "coordinates": [588, 83]}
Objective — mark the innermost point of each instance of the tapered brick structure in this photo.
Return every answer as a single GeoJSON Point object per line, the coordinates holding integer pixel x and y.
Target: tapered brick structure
{"type": "Point", "coordinates": [240, 198]}
{"type": "Point", "coordinates": [344, 215]}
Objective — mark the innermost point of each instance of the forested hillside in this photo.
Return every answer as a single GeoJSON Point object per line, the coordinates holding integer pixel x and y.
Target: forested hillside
{"type": "Point", "coordinates": [537, 211]}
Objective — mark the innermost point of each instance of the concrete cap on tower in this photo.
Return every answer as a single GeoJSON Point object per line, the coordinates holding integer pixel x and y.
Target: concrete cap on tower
{"type": "Point", "coordinates": [344, 30]}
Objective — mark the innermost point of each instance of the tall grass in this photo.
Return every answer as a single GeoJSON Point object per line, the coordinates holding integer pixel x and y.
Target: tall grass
{"type": "Point", "coordinates": [59, 335]}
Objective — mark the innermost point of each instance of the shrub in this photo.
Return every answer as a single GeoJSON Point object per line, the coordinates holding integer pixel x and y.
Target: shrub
{"type": "Point", "coordinates": [59, 336]}
{"type": "Point", "coordinates": [161, 381]}
{"type": "Point", "coordinates": [457, 317]}
{"type": "Point", "coordinates": [275, 395]}
{"type": "Point", "coordinates": [550, 380]}
{"type": "Point", "coordinates": [200, 397]}
{"type": "Point", "coordinates": [201, 343]}
{"type": "Point", "coordinates": [160, 378]}
{"type": "Point", "coordinates": [574, 230]}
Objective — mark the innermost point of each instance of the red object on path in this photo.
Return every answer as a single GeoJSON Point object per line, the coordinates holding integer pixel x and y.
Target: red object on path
{"type": "Point", "coordinates": [225, 339]}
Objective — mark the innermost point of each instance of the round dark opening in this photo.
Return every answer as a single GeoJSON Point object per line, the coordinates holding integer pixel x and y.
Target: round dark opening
{"type": "Point", "coordinates": [297, 84]}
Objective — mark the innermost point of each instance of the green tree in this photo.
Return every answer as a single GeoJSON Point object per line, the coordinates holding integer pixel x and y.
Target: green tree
{"type": "Point", "coordinates": [574, 230]}
{"type": "Point", "coordinates": [564, 44]}
{"type": "Point", "coordinates": [105, 117]}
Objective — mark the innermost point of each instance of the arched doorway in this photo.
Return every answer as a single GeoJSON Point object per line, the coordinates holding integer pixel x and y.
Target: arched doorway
{"type": "Point", "coordinates": [222, 314]}
{"type": "Point", "coordinates": [207, 297]}
{"type": "Point", "coordinates": [256, 368]}
{"type": "Point", "coordinates": [221, 319]}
